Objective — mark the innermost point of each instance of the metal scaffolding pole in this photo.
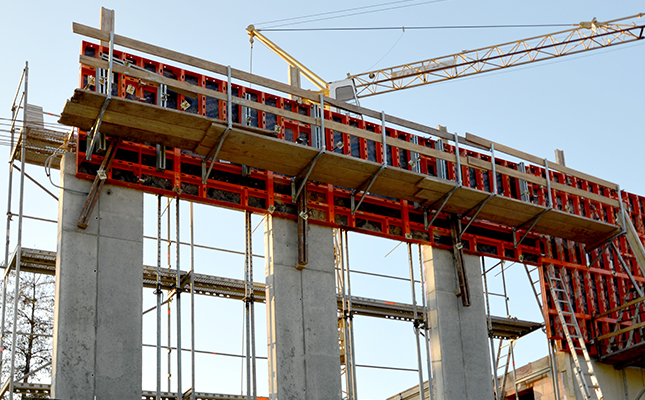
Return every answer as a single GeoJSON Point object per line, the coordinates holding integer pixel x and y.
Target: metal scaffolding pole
{"type": "Point", "coordinates": [340, 263]}
{"type": "Point", "coordinates": [19, 239]}
{"type": "Point", "coordinates": [426, 323]}
{"type": "Point", "coordinates": [350, 319]}
{"type": "Point", "coordinates": [192, 303]}
{"type": "Point", "coordinates": [178, 297]}
{"type": "Point", "coordinates": [512, 343]}
{"type": "Point", "coordinates": [158, 294]}
{"type": "Point", "coordinates": [249, 299]}
{"type": "Point", "coordinates": [416, 322]}
{"type": "Point", "coordinates": [169, 331]}
{"type": "Point", "coordinates": [492, 344]}
{"type": "Point", "coordinates": [14, 114]}
{"type": "Point", "coordinates": [554, 370]}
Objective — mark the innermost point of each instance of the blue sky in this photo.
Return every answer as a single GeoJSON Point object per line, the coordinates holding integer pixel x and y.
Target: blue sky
{"type": "Point", "coordinates": [589, 105]}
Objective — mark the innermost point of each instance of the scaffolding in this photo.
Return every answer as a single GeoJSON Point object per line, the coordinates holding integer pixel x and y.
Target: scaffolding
{"type": "Point", "coordinates": [39, 145]}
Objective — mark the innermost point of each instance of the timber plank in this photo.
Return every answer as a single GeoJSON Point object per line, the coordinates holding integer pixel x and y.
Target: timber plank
{"type": "Point", "coordinates": [132, 121]}
{"type": "Point", "coordinates": [117, 130]}
{"type": "Point", "coordinates": [141, 110]}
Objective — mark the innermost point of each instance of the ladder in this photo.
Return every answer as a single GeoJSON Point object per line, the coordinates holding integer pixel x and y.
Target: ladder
{"type": "Point", "coordinates": [568, 320]}
{"type": "Point", "coordinates": [502, 366]}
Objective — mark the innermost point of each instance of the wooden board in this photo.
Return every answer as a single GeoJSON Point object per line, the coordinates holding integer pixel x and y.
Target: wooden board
{"type": "Point", "coordinates": [258, 148]}
{"type": "Point", "coordinates": [474, 139]}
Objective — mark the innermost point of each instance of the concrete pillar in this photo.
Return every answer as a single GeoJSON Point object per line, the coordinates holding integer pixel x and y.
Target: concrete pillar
{"type": "Point", "coordinates": [458, 335]}
{"type": "Point", "coordinates": [97, 316]}
{"type": "Point", "coordinates": [304, 358]}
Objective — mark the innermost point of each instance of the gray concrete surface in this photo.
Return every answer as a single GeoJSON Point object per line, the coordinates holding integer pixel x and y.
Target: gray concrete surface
{"type": "Point", "coordinates": [459, 335]}
{"type": "Point", "coordinates": [302, 324]}
{"type": "Point", "coordinates": [97, 316]}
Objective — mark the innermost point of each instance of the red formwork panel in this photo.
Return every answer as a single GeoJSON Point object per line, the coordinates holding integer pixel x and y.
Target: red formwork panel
{"type": "Point", "coordinates": [596, 288]}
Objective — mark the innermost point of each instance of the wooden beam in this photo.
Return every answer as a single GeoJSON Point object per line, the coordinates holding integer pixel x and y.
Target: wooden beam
{"type": "Point", "coordinates": [584, 193]}
{"type": "Point", "coordinates": [621, 331]}
{"type": "Point", "coordinates": [620, 307]}
{"type": "Point", "coordinates": [538, 161]}
{"type": "Point", "coordinates": [542, 181]}
{"type": "Point", "coordinates": [107, 23]}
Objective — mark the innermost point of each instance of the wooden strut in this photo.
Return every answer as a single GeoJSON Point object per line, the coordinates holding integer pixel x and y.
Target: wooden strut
{"type": "Point", "coordinates": [97, 185]}
{"type": "Point", "coordinates": [458, 255]}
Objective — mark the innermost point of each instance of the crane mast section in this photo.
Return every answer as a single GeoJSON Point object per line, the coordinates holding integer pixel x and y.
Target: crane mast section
{"type": "Point", "coordinates": [587, 36]}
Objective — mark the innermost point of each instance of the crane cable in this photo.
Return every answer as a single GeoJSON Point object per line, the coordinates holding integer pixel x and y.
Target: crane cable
{"type": "Point", "coordinates": [385, 28]}
{"type": "Point", "coordinates": [347, 15]}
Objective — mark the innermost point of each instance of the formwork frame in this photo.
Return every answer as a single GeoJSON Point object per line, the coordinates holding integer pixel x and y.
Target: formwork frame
{"type": "Point", "coordinates": [569, 191]}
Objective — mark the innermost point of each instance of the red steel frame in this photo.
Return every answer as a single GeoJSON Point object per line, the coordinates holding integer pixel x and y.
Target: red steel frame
{"type": "Point", "coordinates": [596, 288]}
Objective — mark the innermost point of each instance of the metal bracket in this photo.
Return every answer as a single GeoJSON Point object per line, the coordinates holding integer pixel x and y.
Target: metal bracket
{"type": "Point", "coordinates": [533, 221]}
{"type": "Point", "coordinates": [458, 254]}
{"type": "Point", "coordinates": [367, 185]}
{"type": "Point", "coordinates": [303, 232]}
{"type": "Point", "coordinates": [96, 139]}
{"type": "Point", "coordinates": [445, 199]}
{"type": "Point", "coordinates": [384, 138]}
{"type": "Point", "coordinates": [160, 154]}
{"type": "Point", "coordinates": [229, 115]}
{"type": "Point", "coordinates": [479, 207]}
{"type": "Point", "coordinates": [548, 182]}
{"type": "Point", "coordinates": [309, 169]}
{"type": "Point", "coordinates": [458, 164]}
{"type": "Point", "coordinates": [97, 185]}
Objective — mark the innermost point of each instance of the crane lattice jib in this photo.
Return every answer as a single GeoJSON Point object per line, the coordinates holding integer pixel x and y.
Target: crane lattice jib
{"type": "Point", "coordinates": [587, 36]}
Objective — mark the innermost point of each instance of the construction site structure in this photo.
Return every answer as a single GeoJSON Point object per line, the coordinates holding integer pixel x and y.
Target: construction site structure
{"type": "Point", "coordinates": [146, 126]}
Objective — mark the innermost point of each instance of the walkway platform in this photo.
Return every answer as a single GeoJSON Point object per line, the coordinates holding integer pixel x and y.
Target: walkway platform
{"type": "Point", "coordinates": [259, 148]}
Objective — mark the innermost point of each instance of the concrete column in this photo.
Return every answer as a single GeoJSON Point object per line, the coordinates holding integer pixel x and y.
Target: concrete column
{"type": "Point", "coordinates": [304, 358]}
{"type": "Point", "coordinates": [97, 316]}
{"type": "Point", "coordinates": [458, 335]}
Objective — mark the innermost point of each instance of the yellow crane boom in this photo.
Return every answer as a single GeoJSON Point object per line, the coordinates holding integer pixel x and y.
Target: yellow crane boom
{"type": "Point", "coordinates": [586, 36]}
{"type": "Point", "coordinates": [319, 82]}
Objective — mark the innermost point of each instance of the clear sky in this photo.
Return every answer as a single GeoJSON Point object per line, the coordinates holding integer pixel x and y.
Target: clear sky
{"type": "Point", "coordinates": [589, 105]}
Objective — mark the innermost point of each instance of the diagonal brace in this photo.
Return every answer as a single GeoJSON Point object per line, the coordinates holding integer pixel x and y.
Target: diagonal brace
{"type": "Point", "coordinates": [214, 153]}
{"type": "Point", "coordinates": [638, 288]}
{"type": "Point", "coordinates": [445, 199]}
{"type": "Point", "coordinates": [367, 185]}
{"type": "Point", "coordinates": [229, 119]}
{"type": "Point", "coordinates": [479, 207]}
{"type": "Point", "coordinates": [534, 222]}
{"type": "Point", "coordinates": [604, 248]}
{"type": "Point", "coordinates": [305, 177]}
